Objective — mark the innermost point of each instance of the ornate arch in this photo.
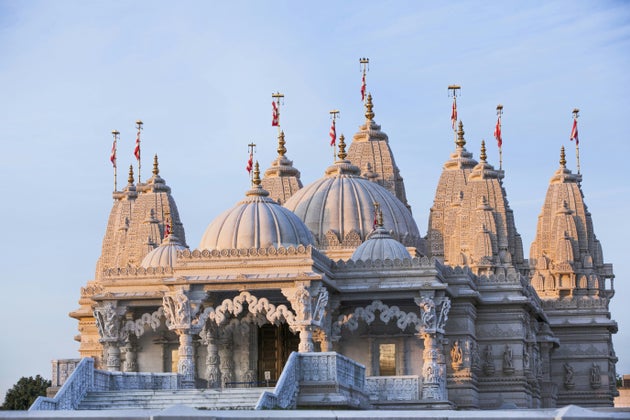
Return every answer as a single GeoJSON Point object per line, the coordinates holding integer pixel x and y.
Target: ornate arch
{"type": "Point", "coordinates": [257, 307]}
{"type": "Point", "coordinates": [367, 314]}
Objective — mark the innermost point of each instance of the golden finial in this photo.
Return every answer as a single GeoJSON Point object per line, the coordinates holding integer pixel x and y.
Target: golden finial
{"type": "Point", "coordinates": [563, 161]}
{"type": "Point", "coordinates": [130, 179]}
{"type": "Point", "coordinates": [281, 149]}
{"type": "Point", "coordinates": [483, 151]}
{"type": "Point", "coordinates": [460, 135]}
{"type": "Point", "coordinates": [342, 148]}
{"type": "Point", "coordinates": [369, 113]}
{"type": "Point", "coordinates": [380, 218]}
{"type": "Point", "coordinates": [156, 169]}
{"type": "Point", "coordinates": [256, 180]}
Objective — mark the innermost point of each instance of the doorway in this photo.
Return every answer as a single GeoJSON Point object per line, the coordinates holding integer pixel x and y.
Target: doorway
{"type": "Point", "coordinates": [275, 344]}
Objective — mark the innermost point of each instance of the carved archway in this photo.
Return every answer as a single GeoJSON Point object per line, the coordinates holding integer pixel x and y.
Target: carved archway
{"type": "Point", "coordinates": [368, 315]}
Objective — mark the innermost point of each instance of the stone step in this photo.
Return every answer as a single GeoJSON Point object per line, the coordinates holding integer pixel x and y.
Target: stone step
{"type": "Point", "coordinates": [224, 399]}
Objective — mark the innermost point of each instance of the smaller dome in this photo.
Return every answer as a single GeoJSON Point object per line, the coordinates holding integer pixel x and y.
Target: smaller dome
{"type": "Point", "coordinates": [380, 246]}
{"type": "Point", "coordinates": [165, 254]}
{"type": "Point", "coordinates": [256, 222]}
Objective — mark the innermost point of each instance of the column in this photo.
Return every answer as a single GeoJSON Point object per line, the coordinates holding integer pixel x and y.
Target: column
{"type": "Point", "coordinates": [186, 363]}
{"type": "Point", "coordinates": [209, 337]}
{"type": "Point", "coordinates": [226, 360]}
{"type": "Point", "coordinates": [433, 316]}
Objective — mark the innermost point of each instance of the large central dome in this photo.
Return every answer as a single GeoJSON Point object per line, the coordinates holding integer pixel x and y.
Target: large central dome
{"type": "Point", "coordinates": [339, 208]}
{"type": "Point", "coordinates": [256, 222]}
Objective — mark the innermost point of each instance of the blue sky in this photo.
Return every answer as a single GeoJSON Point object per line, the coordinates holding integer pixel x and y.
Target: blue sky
{"type": "Point", "coordinates": [200, 75]}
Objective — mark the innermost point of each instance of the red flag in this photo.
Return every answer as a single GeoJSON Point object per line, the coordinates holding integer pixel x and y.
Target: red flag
{"type": "Point", "coordinates": [454, 114]}
{"type": "Point", "coordinates": [112, 156]}
{"type": "Point", "coordinates": [167, 228]}
{"type": "Point", "coordinates": [333, 134]}
{"type": "Point", "coordinates": [363, 87]}
{"type": "Point", "coordinates": [497, 132]}
{"type": "Point", "coordinates": [275, 120]}
{"type": "Point", "coordinates": [136, 151]}
{"type": "Point", "coordinates": [574, 132]}
{"type": "Point", "coordinates": [250, 163]}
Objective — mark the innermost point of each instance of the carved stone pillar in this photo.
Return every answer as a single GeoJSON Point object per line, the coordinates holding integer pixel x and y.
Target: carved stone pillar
{"type": "Point", "coordinates": [309, 304]}
{"type": "Point", "coordinates": [209, 337]}
{"type": "Point", "coordinates": [226, 360]}
{"type": "Point", "coordinates": [131, 359]}
{"type": "Point", "coordinates": [110, 328]}
{"type": "Point", "coordinates": [179, 313]}
{"type": "Point", "coordinates": [433, 317]}
{"type": "Point", "coordinates": [112, 356]}
{"type": "Point", "coordinates": [186, 362]}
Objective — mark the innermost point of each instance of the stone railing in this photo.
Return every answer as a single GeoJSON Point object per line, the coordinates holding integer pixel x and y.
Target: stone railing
{"type": "Point", "coordinates": [285, 393]}
{"type": "Point", "coordinates": [326, 379]}
{"type": "Point", "coordinates": [393, 388]}
{"type": "Point", "coordinates": [85, 378]}
{"type": "Point", "coordinates": [61, 370]}
{"type": "Point", "coordinates": [73, 390]}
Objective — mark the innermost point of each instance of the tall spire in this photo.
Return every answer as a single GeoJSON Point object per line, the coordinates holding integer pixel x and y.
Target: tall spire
{"type": "Point", "coordinates": [563, 161]}
{"type": "Point", "coordinates": [256, 179]}
{"type": "Point", "coordinates": [130, 178]}
{"type": "Point", "coordinates": [482, 156]}
{"type": "Point", "coordinates": [156, 169]}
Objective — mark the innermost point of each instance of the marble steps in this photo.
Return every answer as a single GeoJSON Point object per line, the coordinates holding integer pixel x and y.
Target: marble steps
{"type": "Point", "coordinates": [210, 399]}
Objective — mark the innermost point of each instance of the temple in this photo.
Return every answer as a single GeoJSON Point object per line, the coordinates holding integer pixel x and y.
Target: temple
{"type": "Point", "coordinates": [334, 280]}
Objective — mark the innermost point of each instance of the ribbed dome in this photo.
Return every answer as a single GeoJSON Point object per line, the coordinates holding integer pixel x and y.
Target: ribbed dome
{"type": "Point", "coordinates": [341, 205]}
{"type": "Point", "coordinates": [165, 254]}
{"type": "Point", "coordinates": [256, 222]}
{"type": "Point", "coordinates": [380, 246]}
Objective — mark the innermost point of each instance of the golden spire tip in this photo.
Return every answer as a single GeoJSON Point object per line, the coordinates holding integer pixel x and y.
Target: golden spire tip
{"type": "Point", "coordinates": [563, 161]}
{"type": "Point", "coordinates": [483, 156]}
{"type": "Point", "coordinates": [130, 179]}
{"type": "Point", "coordinates": [156, 169]}
{"type": "Point", "coordinates": [369, 106]}
{"type": "Point", "coordinates": [461, 142]}
{"type": "Point", "coordinates": [281, 149]}
{"type": "Point", "coordinates": [342, 148]}
{"type": "Point", "coordinates": [256, 180]}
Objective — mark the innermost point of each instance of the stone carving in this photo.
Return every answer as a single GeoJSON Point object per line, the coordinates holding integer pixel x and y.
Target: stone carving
{"type": "Point", "coordinates": [569, 373]}
{"type": "Point", "coordinates": [392, 388]}
{"type": "Point", "coordinates": [209, 338]}
{"type": "Point", "coordinates": [488, 361]}
{"type": "Point", "coordinates": [272, 313]}
{"type": "Point", "coordinates": [433, 316]}
{"type": "Point", "coordinates": [108, 321]}
{"type": "Point", "coordinates": [596, 376]}
{"type": "Point", "coordinates": [137, 327]}
{"type": "Point", "coordinates": [367, 314]}
{"type": "Point", "coordinates": [177, 310]}
{"type": "Point", "coordinates": [508, 363]}
{"type": "Point", "coordinates": [456, 356]}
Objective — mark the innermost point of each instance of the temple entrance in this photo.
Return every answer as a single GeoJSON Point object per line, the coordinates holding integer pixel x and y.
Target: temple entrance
{"type": "Point", "coordinates": [275, 344]}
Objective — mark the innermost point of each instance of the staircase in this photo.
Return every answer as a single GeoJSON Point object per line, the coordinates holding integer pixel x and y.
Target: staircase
{"type": "Point", "coordinates": [207, 399]}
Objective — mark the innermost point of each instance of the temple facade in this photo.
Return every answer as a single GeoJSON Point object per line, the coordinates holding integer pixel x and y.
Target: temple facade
{"type": "Point", "coordinates": [454, 318]}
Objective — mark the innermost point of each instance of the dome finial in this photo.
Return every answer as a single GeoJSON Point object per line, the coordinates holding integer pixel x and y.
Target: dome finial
{"type": "Point", "coordinates": [380, 218]}
{"type": "Point", "coordinates": [483, 156]}
{"type": "Point", "coordinates": [281, 149]}
{"type": "Point", "coordinates": [130, 179]}
{"type": "Point", "coordinates": [460, 135]}
{"type": "Point", "coordinates": [156, 169]}
{"type": "Point", "coordinates": [342, 148]}
{"type": "Point", "coordinates": [256, 179]}
{"type": "Point", "coordinates": [563, 161]}
{"type": "Point", "coordinates": [369, 113]}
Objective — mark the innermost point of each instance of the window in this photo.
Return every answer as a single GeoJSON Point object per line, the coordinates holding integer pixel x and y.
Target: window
{"type": "Point", "coordinates": [387, 359]}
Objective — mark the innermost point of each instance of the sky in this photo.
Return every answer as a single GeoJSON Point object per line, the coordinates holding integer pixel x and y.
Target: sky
{"type": "Point", "coordinates": [200, 75]}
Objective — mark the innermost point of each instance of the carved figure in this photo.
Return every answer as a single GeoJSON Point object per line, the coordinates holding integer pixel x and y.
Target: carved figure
{"type": "Point", "coordinates": [488, 365]}
{"type": "Point", "coordinates": [456, 355]}
{"type": "Point", "coordinates": [507, 357]}
{"type": "Point", "coordinates": [568, 376]}
{"type": "Point", "coordinates": [596, 376]}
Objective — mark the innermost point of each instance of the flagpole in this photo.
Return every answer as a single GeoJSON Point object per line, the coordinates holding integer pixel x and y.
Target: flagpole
{"type": "Point", "coordinates": [115, 133]}
{"type": "Point", "coordinates": [333, 132]}
{"type": "Point", "coordinates": [499, 139]}
{"type": "Point", "coordinates": [139, 124]}
{"type": "Point", "coordinates": [453, 90]}
{"type": "Point", "coordinates": [364, 63]}
{"type": "Point", "coordinates": [576, 114]}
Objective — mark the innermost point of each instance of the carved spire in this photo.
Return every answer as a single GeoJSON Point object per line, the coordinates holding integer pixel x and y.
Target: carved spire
{"type": "Point", "coordinates": [156, 169]}
{"type": "Point", "coordinates": [256, 179]}
{"type": "Point", "coordinates": [342, 145]}
{"type": "Point", "coordinates": [130, 178]}
{"type": "Point", "coordinates": [563, 161]}
{"type": "Point", "coordinates": [281, 149]}
{"type": "Point", "coordinates": [483, 156]}
{"type": "Point", "coordinates": [461, 142]}
{"type": "Point", "coordinates": [369, 113]}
